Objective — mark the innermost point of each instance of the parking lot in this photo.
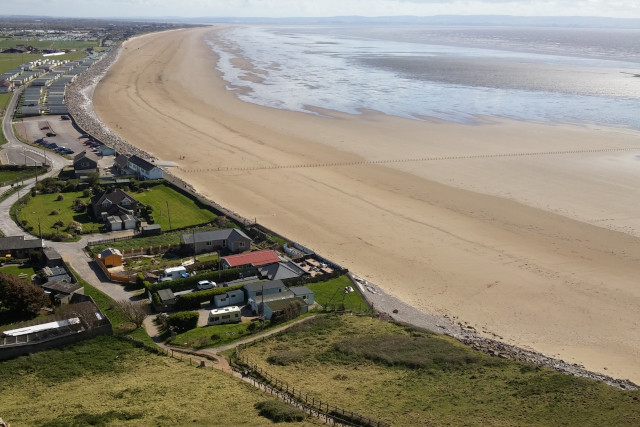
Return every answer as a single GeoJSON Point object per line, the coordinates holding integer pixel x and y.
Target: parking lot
{"type": "Point", "coordinates": [62, 133]}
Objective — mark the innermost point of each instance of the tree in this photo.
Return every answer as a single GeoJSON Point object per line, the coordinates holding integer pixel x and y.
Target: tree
{"type": "Point", "coordinates": [136, 311]}
{"type": "Point", "coordinates": [21, 297]}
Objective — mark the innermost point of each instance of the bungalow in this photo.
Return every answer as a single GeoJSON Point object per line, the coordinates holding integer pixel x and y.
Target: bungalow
{"type": "Point", "coordinates": [271, 308]}
{"type": "Point", "coordinates": [207, 241]}
{"type": "Point", "coordinates": [19, 247]}
{"type": "Point", "coordinates": [252, 290]}
{"type": "Point", "coordinates": [85, 163]}
{"type": "Point", "coordinates": [250, 259]}
{"type": "Point", "coordinates": [304, 293]}
{"type": "Point", "coordinates": [114, 202]}
{"type": "Point", "coordinates": [143, 168]}
{"type": "Point", "coordinates": [117, 209]}
{"type": "Point", "coordinates": [235, 297]}
{"type": "Point", "coordinates": [256, 302]}
{"type": "Point", "coordinates": [281, 271]}
{"type": "Point", "coordinates": [61, 292]}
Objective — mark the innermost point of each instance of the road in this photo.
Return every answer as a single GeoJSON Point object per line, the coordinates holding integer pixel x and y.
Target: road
{"type": "Point", "coordinates": [15, 152]}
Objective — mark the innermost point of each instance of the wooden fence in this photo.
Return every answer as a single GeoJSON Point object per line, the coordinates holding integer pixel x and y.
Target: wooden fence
{"type": "Point", "coordinates": [332, 414]}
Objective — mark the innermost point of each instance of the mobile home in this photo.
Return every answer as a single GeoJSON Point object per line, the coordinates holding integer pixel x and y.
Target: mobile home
{"type": "Point", "coordinates": [224, 315]}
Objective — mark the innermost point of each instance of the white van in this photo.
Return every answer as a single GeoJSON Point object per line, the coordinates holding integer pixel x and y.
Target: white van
{"type": "Point", "coordinates": [224, 315]}
{"type": "Point", "coordinates": [173, 273]}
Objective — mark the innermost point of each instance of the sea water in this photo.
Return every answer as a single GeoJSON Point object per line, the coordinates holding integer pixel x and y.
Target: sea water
{"type": "Point", "coordinates": [552, 75]}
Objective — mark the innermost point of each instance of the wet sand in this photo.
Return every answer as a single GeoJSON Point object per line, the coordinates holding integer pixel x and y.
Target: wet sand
{"type": "Point", "coordinates": [524, 230]}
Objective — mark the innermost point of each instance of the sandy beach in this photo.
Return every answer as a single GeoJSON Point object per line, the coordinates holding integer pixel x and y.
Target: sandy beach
{"type": "Point", "coordinates": [524, 230]}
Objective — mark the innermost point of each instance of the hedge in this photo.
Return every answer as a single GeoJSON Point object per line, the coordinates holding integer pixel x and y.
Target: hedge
{"type": "Point", "coordinates": [183, 321]}
{"type": "Point", "coordinates": [192, 301]}
{"type": "Point", "coordinates": [191, 282]}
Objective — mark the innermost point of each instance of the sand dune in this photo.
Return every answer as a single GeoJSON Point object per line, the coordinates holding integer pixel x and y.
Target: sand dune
{"type": "Point", "coordinates": [525, 230]}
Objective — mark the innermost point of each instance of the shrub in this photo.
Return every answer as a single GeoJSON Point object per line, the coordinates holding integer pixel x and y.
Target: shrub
{"type": "Point", "coordinates": [74, 227]}
{"type": "Point", "coordinates": [183, 321]}
{"type": "Point", "coordinates": [59, 223]}
{"type": "Point", "coordinates": [284, 358]}
{"type": "Point", "coordinates": [60, 198]}
{"type": "Point", "coordinates": [55, 212]}
{"type": "Point", "coordinates": [192, 281]}
{"type": "Point", "coordinates": [279, 411]}
{"type": "Point", "coordinates": [86, 192]}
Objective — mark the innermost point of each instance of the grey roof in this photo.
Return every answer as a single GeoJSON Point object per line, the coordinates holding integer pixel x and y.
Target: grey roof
{"type": "Point", "coordinates": [84, 154]}
{"type": "Point", "coordinates": [110, 251]}
{"type": "Point", "coordinates": [274, 297]}
{"type": "Point", "coordinates": [141, 163]}
{"type": "Point", "coordinates": [259, 286]}
{"type": "Point", "coordinates": [61, 287]}
{"type": "Point", "coordinates": [51, 253]}
{"type": "Point", "coordinates": [166, 294]}
{"type": "Point", "coordinates": [230, 234]}
{"type": "Point", "coordinates": [57, 273]}
{"type": "Point", "coordinates": [19, 242]}
{"type": "Point", "coordinates": [301, 290]}
{"type": "Point", "coordinates": [121, 161]}
{"type": "Point", "coordinates": [282, 270]}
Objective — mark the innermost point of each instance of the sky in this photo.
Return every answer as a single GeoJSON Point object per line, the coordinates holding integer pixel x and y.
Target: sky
{"type": "Point", "coordinates": [319, 8]}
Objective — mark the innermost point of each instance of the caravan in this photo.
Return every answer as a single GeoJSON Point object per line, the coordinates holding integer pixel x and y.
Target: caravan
{"type": "Point", "coordinates": [174, 273]}
{"type": "Point", "coordinates": [224, 315]}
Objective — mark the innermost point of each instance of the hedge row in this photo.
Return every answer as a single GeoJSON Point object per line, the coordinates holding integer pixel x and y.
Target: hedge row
{"type": "Point", "coordinates": [183, 321]}
{"type": "Point", "coordinates": [191, 282]}
{"type": "Point", "coordinates": [192, 301]}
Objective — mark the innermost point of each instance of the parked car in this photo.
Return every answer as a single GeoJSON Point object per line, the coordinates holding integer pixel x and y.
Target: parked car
{"type": "Point", "coordinates": [67, 151]}
{"type": "Point", "coordinates": [51, 134]}
{"type": "Point", "coordinates": [51, 145]}
{"type": "Point", "coordinates": [84, 135]}
{"type": "Point", "coordinates": [206, 284]}
{"type": "Point", "coordinates": [65, 117]}
{"type": "Point", "coordinates": [39, 140]}
{"type": "Point", "coordinates": [173, 273]}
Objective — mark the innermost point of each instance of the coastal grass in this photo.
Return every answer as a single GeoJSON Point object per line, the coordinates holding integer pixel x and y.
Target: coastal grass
{"type": "Point", "coordinates": [46, 44]}
{"type": "Point", "coordinates": [9, 176]}
{"type": "Point", "coordinates": [406, 376]}
{"type": "Point", "coordinates": [330, 294]}
{"type": "Point", "coordinates": [182, 211]}
{"type": "Point", "coordinates": [42, 206]}
{"type": "Point", "coordinates": [108, 381]}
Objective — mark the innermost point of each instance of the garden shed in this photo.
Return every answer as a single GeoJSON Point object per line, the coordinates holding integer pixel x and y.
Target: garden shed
{"type": "Point", "coordinates": [111, 257]}
{"type": "Point", "coordinates": [229, 298]}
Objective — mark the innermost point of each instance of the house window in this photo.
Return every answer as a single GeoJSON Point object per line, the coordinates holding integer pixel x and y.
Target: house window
{"type": "Point", "coordinates": [209, 243]}
{"type": "Point", "coordinates": [242, 244]}
{"type": "Point", "coordinates": [224, 243]}
{"type": "Point", "coordinates": [106, 203]}
{"type": "Point", "coordinates": [126, 202]}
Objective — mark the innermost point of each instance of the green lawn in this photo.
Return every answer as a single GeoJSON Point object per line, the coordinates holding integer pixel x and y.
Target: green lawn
{"type": "Point", "coordinates": [48, 44]}
{"type": "Point", "coordinates": [39, 208]}
{"type": "Point", "coordinates": [183, 211]}
{"type": "Point", "coordinates": [17, 270]}
{"type": "Point", "coordinates": [211, 336]}
{"type": "Point", "coordinates": [409, 377]}
{"type": "Point", "coordinates": [331, 294]}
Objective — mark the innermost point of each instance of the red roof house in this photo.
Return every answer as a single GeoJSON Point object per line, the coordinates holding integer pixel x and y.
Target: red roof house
{"type": "Point", "coordinates": [250, 259]}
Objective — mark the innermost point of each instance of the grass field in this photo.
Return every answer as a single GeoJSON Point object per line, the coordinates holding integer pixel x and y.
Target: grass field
{"type": "Point", "coordinates": [330, 294]}
{"type": "Point", "coordinates": [183, 211]}
{"type": "Point", "coordinates": [39, 208]}
{"type": "Point", "coordinates": [106, 381]}
{"type": "Point", "coordinates": [47, 44]}
{"type": "Point", "coordinates": [7, 176]}
{"type": "Point", "coordinates": [17, 270]}
{"type": "Point", "coordinates": [408, 377]}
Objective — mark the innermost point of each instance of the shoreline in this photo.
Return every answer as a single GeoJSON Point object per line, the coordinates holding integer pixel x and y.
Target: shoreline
{"type": "Point", "coordinates": [328, 253]}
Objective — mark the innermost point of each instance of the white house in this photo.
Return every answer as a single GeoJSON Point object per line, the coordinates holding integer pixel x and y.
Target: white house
{"type": "Point", "coordinates": [143, 168]}
{"type": "Point", "coordinates": [229, 298]}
